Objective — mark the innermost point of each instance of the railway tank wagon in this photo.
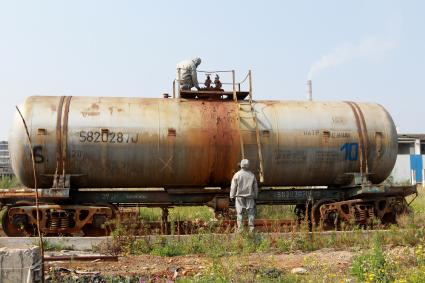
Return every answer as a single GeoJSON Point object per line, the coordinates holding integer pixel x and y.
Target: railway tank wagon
{"type": "Point", "coordinates": [103, 142]}
{"type": "Point", "coordinates": [94, 154]}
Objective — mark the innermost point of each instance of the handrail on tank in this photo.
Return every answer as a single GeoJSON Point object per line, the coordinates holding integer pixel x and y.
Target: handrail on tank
{"type": "Point", "coordinates": [234, 83]}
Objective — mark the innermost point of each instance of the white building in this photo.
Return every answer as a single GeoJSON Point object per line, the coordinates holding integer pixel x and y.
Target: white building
{"type": "Point", "coordinates": [5, 168]}
{"type": "Point", "coordinates": [409, 167]}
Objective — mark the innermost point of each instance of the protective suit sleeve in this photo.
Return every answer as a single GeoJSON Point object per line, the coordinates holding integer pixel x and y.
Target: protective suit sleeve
{"type": "Point", "coordinates": [195, 78]}
{"type": "Point", "coordinates": [233, 187]}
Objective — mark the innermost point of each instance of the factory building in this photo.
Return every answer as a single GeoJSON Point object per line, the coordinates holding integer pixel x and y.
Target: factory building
{"type": "Point", "coordinates": [5, 168]}
{"type": "Point", "coordinates": [409, 167]}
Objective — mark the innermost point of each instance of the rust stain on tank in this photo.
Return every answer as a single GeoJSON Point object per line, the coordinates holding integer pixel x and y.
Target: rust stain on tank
{"type": "Point", "coordinates": [111, 109]}
{"type": "Point", "coordinates": [93, 110]}
{"type": "Point", "coordinates": [225, 139]}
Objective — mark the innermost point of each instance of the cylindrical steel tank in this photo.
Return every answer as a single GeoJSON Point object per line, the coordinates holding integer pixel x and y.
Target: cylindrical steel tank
{"type": "Point", "coordinates": [144, 142]}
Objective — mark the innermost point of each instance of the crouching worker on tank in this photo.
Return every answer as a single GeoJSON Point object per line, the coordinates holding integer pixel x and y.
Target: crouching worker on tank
{"type": "Point", "coordinates": [186, 73]}
{"type": "Point", "coordinates": [244, 190]}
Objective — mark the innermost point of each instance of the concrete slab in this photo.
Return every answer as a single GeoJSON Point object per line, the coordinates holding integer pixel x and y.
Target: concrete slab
{"type": "Point", "coordinates": [58, 243]}
{"type": "Point", "coordinates": [20, 265]}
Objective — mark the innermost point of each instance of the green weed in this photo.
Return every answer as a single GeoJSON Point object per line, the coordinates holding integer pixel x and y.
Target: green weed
{"type": "Point", "coordinates": [9, 183]}
{"type": "Point", "coordinates": [164, 248]}
{"type": "Point", "coordinates": [51, 246]}
{"type": "Point", "coordinates": [372, 266]}
{"type": "Point", "coordinates": [178, 213]}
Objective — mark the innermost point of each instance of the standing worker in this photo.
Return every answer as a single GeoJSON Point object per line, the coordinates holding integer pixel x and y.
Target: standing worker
{"type": "Point", "coordinates": [245, 189]}
{"type": "Point", "coordinates": [186, 73]}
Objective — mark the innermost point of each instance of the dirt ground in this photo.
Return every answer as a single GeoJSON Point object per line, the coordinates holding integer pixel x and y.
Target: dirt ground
{"type": "Point", "coordinates": [193, 265]}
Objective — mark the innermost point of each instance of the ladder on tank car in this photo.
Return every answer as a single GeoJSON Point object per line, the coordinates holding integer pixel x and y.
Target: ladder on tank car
{"type": "Point", "coordinates": [246, 108]}
{"type": "Point", "coordinates": [247, 116]}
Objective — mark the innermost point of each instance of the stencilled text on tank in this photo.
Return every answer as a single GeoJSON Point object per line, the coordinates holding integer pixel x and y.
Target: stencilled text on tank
{"type": "Point", "coordinates": [338, 120]}
{"type": "Point", "coordinates": [290, 156]}
{"type": "Point", "coordinates": [326, 156]}
{"type": "Point", "coordinates": [332, 134]}
{"type": "Point", "coordinates": [301, 194]}
{"type": "Point", "coordinates": [311, 132]}
{"type": "Point", "coordinates": [77, 154]}
{"type": "Point", "coordinates": [107, 137]}
{"type": "Point", "coordinates": [340, 134]}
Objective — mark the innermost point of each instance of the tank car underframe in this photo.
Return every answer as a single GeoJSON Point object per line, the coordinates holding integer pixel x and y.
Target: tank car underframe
{"type": "Point", "coordinates": [88, 210]}
{"type": "Point", "coordinates": [21, 219]}
{"type": "Point", "coordinates": [363, 212]}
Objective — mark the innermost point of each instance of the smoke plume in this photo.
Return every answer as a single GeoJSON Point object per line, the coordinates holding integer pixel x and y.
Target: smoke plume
{"type": "Point", "coordinates": [370, 47]}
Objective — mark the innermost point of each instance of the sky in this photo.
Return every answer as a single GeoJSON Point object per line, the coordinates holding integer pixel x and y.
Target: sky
{"type": "Point", "coordinates": [366, 51]}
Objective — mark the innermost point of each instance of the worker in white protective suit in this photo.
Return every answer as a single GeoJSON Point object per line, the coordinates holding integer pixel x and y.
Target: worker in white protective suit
{"type": "Point", "coordinates": [186, 73]}
{"type": "Point", "coordinates": [244, 190]}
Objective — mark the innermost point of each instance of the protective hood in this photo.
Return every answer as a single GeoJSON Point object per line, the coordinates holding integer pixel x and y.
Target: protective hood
{"type": "Point", "coordinates": [245, 163]}
{"type": "Point", "coordinates": [196, 61]}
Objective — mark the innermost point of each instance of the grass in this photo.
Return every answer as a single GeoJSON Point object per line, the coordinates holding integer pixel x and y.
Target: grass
{"type": "Point", "coordinates": [418, 202]}
{"type": "Point", "coordinates": [229, 253]}
{"type": "Point", "coordinates": [8, 183]}
{"type": "Point", "coordinates": [372, 265]}
{"type": "Point", "coordinates": [51, 246]}
{"type": "Point", "coordinates": [377, 265]}
{"type": "Point", "coordinates": [177, 213]}
{"type": "Point", "coordinates": [206, 214]}
{"type": "Point", "coordinates": [224, 244]}
{"type": "Point", "coordinates": [409, 232]}
{"type": "Point", "coordinates": [373, 261]}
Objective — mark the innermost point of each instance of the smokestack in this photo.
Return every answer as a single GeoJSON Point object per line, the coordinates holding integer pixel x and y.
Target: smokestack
{"type": "Point", "coordinates": [309, 91]}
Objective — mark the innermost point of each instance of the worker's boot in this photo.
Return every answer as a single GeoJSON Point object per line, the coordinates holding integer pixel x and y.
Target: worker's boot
{"type": "Point", "coordinates": [239, 221]}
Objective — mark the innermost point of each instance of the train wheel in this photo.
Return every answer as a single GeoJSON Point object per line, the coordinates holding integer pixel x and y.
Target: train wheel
{"type": "Point", "coordinates": [17, 226]}
{"type": "Point", "coordinates": [91, 231]}
{"type": "Point", "coordinates": [101, 225]}
{"type": "Point", "coordinates": [391, 209]}
{"type": "Point", "coordinates": [315, 213]}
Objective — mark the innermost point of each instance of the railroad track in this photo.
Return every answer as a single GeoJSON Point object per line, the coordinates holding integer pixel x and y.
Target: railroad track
{"type": "Point", "coordinates": [187, 227]}
{"type": "Point", "coordinates": [191, 227]}
{"type": "Point", "coordinates": [198, 226]}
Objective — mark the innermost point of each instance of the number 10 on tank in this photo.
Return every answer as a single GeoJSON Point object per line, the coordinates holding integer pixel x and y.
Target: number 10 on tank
{"type": "Point", "coordinates": [351, 151]}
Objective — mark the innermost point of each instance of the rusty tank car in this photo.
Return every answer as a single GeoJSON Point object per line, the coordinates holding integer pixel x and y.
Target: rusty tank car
{"type": "Point", "coordinates": [104, 142]}
{"type": "Point", "coordinates": [88, 150]}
